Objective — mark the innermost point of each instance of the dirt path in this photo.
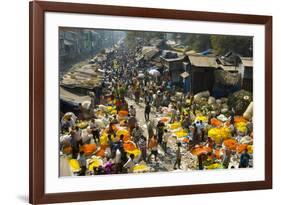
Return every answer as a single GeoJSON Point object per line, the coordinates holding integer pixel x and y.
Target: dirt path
{"type": "Point", "coordinates": [165, 162]}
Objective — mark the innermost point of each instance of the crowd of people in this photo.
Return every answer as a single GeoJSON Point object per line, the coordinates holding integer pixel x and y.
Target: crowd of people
{"type": "Point", "coordinates": [108, 137]}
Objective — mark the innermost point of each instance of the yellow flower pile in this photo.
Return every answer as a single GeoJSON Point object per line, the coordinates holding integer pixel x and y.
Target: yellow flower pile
{"type": "Point", "coordinates": [104, 139]}
{"type": "Point", "coordinates": [250, 149]}
{"type": "Point", "coordinates": [175, 125]}
{"type": "Point", "coordinates": [140, 168]}
{"type": "Point", "coordinates": [82, 125]}
{"type": "Point", "coordinates": [181, 133]}
{"type": "Point", "coordinates": [202, 118]}
{"type": "Point", "coordinates": [94, 162]}
{"type": "Point", "coordinates": [131, 148]}
{"type": "Point", "coordinates": [135, 152]}
{"type": "Point", "coordinates": [122, 132]}
{"type": "Point", "coordinates": [219, 134]}
{"type": "Point", "coordinates": [74, 165]}
{"type": "Point", "coordinates": [111, 110]}
{"type": "Point", "coordinates": [214, 166]}
{"type": "Point", "coordinates": [241, 127]}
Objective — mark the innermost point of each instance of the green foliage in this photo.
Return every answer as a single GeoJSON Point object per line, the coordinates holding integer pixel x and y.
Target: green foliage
{"type": "Point", "coordinates": [133, 38]}
{"type": "Point", "coordinates": [240, 100]}
{"type": "Point", "coordinates": [102, 51]}
{"type": "Point", "coordinates": [239, 44]}
{"type": "Point", "coordinates": [199, 42]}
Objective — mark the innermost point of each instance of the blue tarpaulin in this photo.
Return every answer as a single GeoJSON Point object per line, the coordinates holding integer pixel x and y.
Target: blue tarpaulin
{"type": "Point", "coordinates": [207, 52]}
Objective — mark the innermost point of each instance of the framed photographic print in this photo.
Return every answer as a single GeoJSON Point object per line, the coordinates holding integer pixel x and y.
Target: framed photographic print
{"type": "Point", "coordinates": [139, 102]}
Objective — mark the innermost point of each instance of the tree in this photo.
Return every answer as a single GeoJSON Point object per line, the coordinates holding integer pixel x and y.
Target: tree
{"type": "Point", "coordinates": [239, 44]}
{"type": "Point", "coordinates": [133, 38]}
{"type": "Point", "coordinates": [198, 42]}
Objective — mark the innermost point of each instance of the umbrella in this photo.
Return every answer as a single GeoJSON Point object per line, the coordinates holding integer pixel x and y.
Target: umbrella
{"type": "Point", "coordinates": [141, 75]}
{"type": "Point", "coordinates": [222, 118]}
{"type": "Point", "coordinates": [154, 72]}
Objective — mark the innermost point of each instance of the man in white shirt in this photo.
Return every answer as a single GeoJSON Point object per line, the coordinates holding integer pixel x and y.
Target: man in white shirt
{"type": "Point", "coordinates": [118, 161]}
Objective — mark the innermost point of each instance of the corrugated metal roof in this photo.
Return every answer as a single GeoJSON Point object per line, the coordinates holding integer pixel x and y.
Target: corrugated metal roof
{"type": "Point", "coordinates": [149, 51]}
{"type": "Point", "coordinates": [203, 61]}
{"type": "Point", "coordinates": [173, 59]}
{"type": "Point", "coordinates": [247, 61]}
{"type": "Point", "coordinates": [229, 67]}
